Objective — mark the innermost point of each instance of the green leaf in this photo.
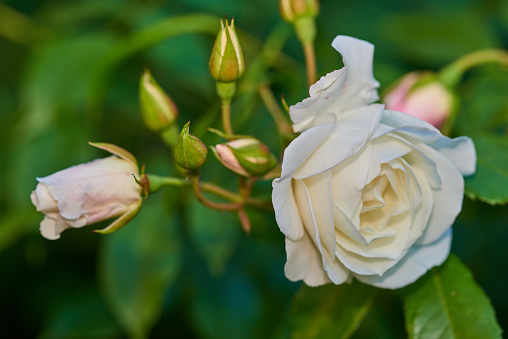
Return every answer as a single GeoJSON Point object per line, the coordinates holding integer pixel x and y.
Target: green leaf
{"type": "Point", "coordinates": [214, 234]}
{"type": "Point", "coordinates": [138, 264]}
{"type": "Point", "coordinates": [447, 303]}
{"type": "Point", "coordinates": [490, 182]}
{"type": "Point", "coordinates": [330, 311]}
{"type": "Point", "coordinates": [72, 316]}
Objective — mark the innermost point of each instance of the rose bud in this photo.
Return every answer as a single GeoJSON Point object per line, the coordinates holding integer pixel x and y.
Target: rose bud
{"type": "Point", "coordinates": [365, 192]}
{"type": "Point", "coordinates": [290, 10]}
{"type": "Point", "coordinates": [246, 157]}
{"type": "Point", "coordinates": [90, 193]}
{"type": "Point", "coordinates": [423, 96]}
{"type": "Point", "coordinates": [157, 108]}
{"type": "Point", "coordinates": [226, 63]}
{"type": "Point", "coordinates": [190, 152]}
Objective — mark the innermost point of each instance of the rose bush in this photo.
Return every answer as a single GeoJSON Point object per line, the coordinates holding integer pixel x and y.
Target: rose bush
{"type": "Point", "coordinates": [88, 193]}
{"type": "Point", "coordinates": [366, 192]}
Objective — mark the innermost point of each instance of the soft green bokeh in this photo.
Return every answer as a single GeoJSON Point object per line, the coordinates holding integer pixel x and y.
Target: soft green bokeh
{"type": "Point", "coordinates": [69, 73]}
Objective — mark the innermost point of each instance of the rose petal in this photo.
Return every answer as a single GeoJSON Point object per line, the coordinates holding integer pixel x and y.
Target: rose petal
{"type": "Point", "coordinates": [361, 265]}
{"type": "Point", "coordinates": [286, 211]}
{"type": "Point", "coordinates": [447, 199]}
{"type": "Point", "coordinates": [320, 201]}
{"type": "Point", "coordinates": [348, 88]}
{"type": "Point", "coordinates": [349, 134]}
{"type": "Point", "coordinates": [48, 230]}
{"type": "Point", "coordinates": [358, 58]}
{"type": "Point", "coordinates": [460, 151]}
{"type": "Point", "coordinates": [417, 261]}
{"type": "Point", "coordinates": [304, 262]}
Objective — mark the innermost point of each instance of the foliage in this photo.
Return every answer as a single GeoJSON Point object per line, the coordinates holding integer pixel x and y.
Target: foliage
{"type": "Point", "coordinates": [69, 73]}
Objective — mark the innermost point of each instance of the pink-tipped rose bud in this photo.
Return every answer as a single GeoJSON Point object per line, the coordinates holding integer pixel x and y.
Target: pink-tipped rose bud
{"type": "Point", "coordinates": [245, 156]}
{"type": "Point", "coordinates": [89, 193]}
{"type": "Point", "coordinates": [423, 96]}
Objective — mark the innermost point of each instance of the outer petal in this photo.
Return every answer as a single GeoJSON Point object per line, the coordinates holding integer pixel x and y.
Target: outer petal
{"type": "Point", "coordinates": [460, 151]}
{"type": "Point", "coordinates": [447, 199]}
{"type": "Point", "coordinates": [350, 87]}
{"type": "Point", "coordinates": [417, 261]}
{"type": "Point", "coordinates": [48, 229]}
{"type": "Point", "coordinates": [42, 199]}
{"type": "Point", "coordinates": [358, 58]}
{"type": "Point", "coordinates": [304, 262]}
{"type": "Point", "coordinates": [286, 211]}
{"type": "Point", "coordinates": [351, 131]}
{"type": "Point", "coordinates": [320, 201]}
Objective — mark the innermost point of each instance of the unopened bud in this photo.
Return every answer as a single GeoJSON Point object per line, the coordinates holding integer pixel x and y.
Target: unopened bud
{"type": "Point", "coordinates": [157, 108]}
{"type": "Point", "coordinates": [246, 157]}
{"type": "Point", "coordinates": [226, 63]}
{"type": "Point", "coordinates": [291, 10]}
{"type": "Point", "coordinates": [190, 152]}
{"type": "Point", "coordinates": [421, 95]}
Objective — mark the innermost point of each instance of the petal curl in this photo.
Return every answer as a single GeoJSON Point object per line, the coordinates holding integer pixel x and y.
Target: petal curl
{"type": "Point", "coordinates": [350, 87]}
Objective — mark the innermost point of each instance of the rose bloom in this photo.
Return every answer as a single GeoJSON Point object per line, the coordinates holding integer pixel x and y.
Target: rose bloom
{"type": "Point", "coordinates": [86, 194]}
{"type": "Point", "coordinates": [366, 192]}
{"type": "Point", "coordinates": [431, 101]}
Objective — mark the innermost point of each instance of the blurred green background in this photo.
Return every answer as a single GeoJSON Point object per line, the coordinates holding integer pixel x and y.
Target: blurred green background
{"type": "Point", "coordinates": [69, 73]}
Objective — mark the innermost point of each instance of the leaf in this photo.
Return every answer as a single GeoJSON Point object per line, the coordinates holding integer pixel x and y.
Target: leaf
{"type": "Point", "coordinates": [215, 235]}
{"type": "Point", "coordinates": [228, 307]}
{"type": "Point", "coordinates": [447, 303]}
{"type": "Point", "coordinates": [74, 314]}
{"type": "Point", "coordinates": [490, 182]}
{"type": "Point", "coordinates": [138, 264]}
{"type": "Point", "coordinates": [330, 311]}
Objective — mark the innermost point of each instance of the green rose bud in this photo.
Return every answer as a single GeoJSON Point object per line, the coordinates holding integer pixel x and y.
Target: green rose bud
{"type": "Point", "coordinates": [246, 157]}
{"type": "Point", "coordinates": [157, 109]}
{"type": "Point", "coordinates": [226, 63]}
{"type": "Point", "coordinates": [190, 152]}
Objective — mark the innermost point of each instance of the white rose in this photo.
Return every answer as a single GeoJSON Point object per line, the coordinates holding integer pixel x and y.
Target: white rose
{"type": "Point", "coordinates": [366, 192]}
{"type": "Point", "coordinates": [86, 194]}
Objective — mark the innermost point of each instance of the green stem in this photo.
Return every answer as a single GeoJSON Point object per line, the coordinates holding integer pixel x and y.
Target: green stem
{"type": "Point", "coordinates": [226, 91]}
{"type": "Point", "coordinates": [20, 28]}
{"type": "Point", "coordinates": [276, 112]}
{"type": "Point", "coordinates": [220, 192]}
{"type": "Point", "coordinates": [226, 117]}
{"type": "Point", "coordinates": [310, 62]}
{"type": "Point", "coordinates": [158, 182]}
{"type": "Point", "coordinates": [211, 204]}
{"type": "Point", "coordinates": [451, 75]}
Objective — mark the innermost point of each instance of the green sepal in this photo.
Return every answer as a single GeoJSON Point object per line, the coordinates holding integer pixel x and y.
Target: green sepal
{"type": "Point", "coordinates": [122, 220]}
{"type": "Point", "coordinates": [116, 150]}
